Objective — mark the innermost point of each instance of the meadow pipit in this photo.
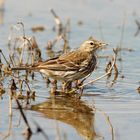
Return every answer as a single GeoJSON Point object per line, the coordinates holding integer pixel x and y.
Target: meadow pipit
{"type": "Point", "coordinates": [71, 66]}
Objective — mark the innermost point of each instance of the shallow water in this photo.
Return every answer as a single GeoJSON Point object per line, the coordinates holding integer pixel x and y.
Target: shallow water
{"type": "Point", "coordinates": [101, 106]}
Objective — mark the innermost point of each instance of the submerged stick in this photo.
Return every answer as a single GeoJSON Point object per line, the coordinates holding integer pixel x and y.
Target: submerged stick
{"type": "Point", "coordinates": [109, 122]}
{"type": "Point", "coordinates": [39, 129]}
{"type": "Point", "coordinates": [9, 132]}
{"type": "Point", "coordinates": [24, 117]}
{"type": "Point", "coordinates": [10, 105]}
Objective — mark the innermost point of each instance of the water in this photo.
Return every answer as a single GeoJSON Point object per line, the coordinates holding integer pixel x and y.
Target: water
{"type": "Point", "coordinates": [87, 118]}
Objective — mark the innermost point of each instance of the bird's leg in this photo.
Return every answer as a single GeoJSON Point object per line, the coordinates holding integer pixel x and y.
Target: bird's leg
{"type": "Point", "coordinates": [48, 81]}
{"type": "Point", "coordinates": [79, 83]}
{"type": "Point", "coordinates": [69, 86]}
{"type": "Point", "coordinates": [66, 86]}
{"type": "Point", "coordinates": [54, 86]}
{"type": "Point", "coordinates": [63, 87]}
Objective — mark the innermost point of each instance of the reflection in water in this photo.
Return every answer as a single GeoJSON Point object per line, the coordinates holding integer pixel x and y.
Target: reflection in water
{"type": "Point", "coordinates": [71, 111]}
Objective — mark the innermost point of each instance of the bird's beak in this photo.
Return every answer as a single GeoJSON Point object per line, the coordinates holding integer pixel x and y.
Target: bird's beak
{"type": "Point", "coordinates": [102, 44]}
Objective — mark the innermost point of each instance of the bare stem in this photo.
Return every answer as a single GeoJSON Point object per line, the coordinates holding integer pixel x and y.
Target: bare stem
{"type": "Point", "coordinates": [26, 84]}
{"type": "Point", "coordinates": [4, 58]}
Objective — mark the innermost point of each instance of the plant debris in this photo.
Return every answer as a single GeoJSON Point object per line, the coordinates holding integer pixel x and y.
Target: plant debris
{"type": "Point", "coordinates": [38, 28]}
{"type": "Point", "coordinates": [138, 89]}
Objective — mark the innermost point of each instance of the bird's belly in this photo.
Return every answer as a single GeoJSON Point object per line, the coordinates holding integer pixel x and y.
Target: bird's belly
{"type": "Point", "coordinates": [69, 75]}
{"type": "Point", "coordinates": [58, 75]}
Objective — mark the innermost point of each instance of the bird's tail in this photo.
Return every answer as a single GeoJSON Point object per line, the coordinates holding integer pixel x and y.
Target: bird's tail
{"type": "Point", "coordinates": [24, 68]}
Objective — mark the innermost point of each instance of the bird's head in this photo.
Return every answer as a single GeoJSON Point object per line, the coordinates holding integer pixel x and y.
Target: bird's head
{"type": "Point", "coordinates": [92, 45]}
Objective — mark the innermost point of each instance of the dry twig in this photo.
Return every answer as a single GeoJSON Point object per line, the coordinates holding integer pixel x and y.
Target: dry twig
{"type": "Point", "coordinates": [58, 22]}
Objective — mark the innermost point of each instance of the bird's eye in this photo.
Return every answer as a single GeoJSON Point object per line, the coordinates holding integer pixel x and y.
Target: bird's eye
{"type": "Point", "coordinates": [91, 43]}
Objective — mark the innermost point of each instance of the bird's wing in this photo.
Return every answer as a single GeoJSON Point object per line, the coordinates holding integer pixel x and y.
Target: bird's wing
{"type": "Point", "coordinates": [67, 62]}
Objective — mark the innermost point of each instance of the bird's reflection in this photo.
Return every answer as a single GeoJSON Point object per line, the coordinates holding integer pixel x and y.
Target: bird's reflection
{"type": "Point", "coordinates": [71, 111]}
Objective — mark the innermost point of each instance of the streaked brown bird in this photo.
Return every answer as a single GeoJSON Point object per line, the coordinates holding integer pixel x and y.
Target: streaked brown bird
{"type": "Point", "coordinates": [71, 66]}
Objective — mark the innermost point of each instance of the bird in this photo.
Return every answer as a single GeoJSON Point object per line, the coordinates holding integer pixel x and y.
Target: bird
{"type": "Point", "coordinates": [71, 66]}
